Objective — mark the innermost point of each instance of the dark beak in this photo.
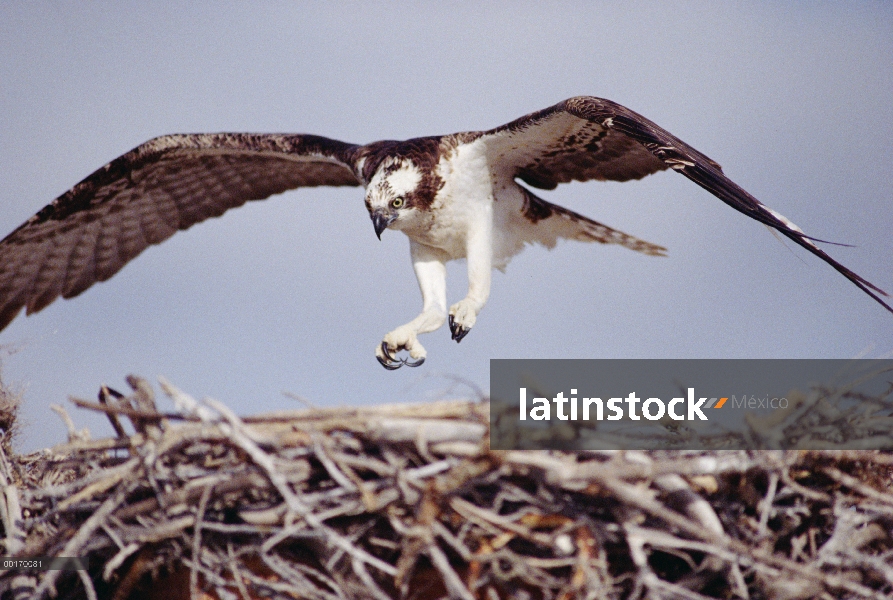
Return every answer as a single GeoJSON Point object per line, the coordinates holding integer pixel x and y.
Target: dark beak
{"type": "Point", "coordinates": [381, 219]}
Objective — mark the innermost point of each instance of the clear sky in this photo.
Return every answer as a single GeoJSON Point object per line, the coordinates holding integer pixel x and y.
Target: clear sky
{"type": "Point", "coordinates": [294, 293]}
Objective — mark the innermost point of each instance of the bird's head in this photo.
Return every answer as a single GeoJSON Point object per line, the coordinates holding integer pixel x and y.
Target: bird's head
{"type": "Point", "coordinates": [395, 195]}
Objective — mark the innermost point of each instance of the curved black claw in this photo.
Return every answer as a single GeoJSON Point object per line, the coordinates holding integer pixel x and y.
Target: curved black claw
{"type": "Point", "coordinates": [457, 330]}
{"type": "Point", "coordinates": [387, 365]}
{"type": "Point", "coordinates": [387, 353]}
{"type": "Point", "coordinates": [417, 363]}
{"type": "Point", "coordinates": [390, 362]}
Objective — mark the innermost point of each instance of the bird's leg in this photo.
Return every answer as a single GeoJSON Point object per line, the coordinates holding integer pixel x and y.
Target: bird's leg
{"type": "Point", "coordinates": [430, 270]}
{"type": "Point", "coordinates": [479, 248]}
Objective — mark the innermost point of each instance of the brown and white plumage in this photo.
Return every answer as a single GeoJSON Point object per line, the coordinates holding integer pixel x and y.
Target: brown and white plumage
{"type": "Point", "coordinates": [455, 196]}
{"type": "Point", "coordinates": [145, 196]}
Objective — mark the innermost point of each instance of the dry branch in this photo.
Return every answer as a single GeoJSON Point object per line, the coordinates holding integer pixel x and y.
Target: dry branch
{"type": "Point", "coordinates": [408, 501]}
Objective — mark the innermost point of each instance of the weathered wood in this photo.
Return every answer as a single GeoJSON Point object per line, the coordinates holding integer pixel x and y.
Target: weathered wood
{"type": "Point", "coordinates": [407, 500]}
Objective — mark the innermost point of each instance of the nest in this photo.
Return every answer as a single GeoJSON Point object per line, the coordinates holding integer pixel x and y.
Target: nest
{"type": "Point", "coordinates": [408, 501]}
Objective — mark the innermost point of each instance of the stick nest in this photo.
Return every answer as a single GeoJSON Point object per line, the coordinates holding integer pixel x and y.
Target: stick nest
{"type": "Point", "coordinates": [408, 501]}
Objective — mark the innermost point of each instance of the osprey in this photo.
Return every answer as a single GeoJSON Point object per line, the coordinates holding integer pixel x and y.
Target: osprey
{"type": "Point", "coordinates": [455, 196]}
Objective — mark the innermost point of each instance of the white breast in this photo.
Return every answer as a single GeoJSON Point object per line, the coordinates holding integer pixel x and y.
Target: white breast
{"type": "Point", "coordinates": [465, 201]}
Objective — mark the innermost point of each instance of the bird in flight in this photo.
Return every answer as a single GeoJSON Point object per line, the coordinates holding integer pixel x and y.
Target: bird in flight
{"type": "Point", "coordinates": [455, 196]}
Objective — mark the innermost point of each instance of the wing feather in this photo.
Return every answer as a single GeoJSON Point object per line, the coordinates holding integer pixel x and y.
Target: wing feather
{"type": "Point", "coordinates": [587, 138]}
{"type": "Point", "coordinates": [81, 273]}
{"type": "Point", "coordinates": [555, 146]}
{"type": "Point", "coordinates": [142, 198]}
{"type": "Point", "coordinates": [47, 286]}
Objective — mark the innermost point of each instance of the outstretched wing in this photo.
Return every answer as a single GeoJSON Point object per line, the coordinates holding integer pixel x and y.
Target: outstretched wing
{"type": "Point", "coordinates": [145, 196]}
{"type": "Point", "coordinates": [587, 138]}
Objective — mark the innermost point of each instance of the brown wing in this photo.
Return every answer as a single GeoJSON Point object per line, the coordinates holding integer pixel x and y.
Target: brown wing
{"type": "Point", "coordinates": [555, 146]}
{"type": "Point", "coordinates": [145, 196]}
{"type": "Point", "coordinates": [587, 138]}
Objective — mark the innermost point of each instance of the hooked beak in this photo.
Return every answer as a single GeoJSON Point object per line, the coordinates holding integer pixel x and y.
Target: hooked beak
{"type": "Point", "coordinates": [381, 219]}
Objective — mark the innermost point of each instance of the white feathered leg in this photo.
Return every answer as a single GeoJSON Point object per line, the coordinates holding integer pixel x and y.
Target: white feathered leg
{"type": "Point", "coordinates": [479, 249]}
{"type": "Point", "coordinates": [430, 270]}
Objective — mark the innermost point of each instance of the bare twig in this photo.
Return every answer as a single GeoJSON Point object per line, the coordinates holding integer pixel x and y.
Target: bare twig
{"type": "Point", "coordinates": [339, 503]}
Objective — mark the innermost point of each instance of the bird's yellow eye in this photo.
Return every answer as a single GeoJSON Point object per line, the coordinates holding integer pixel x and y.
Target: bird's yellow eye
{"type": "Point", "coordinates": [397, 202]}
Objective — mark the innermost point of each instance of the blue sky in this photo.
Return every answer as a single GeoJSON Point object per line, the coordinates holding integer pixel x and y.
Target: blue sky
{"type": "Point", "coordinates": [294, 293]}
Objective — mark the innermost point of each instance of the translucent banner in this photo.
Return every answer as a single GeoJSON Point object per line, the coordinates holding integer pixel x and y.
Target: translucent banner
{"type": "Point", "coordinates": [691, 404]}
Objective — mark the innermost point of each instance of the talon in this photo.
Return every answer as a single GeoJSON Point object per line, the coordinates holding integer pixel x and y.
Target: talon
{"type": "Point", "coordinates": [390, 362]}
{"type": "Point", "coordinates": [417, 363]}
{"type": "Point", "coordinates": [387, 353]}
{"type": "Point", "coordinates": [390, 366]}
{"type": "Point", "coordinates": [457, 330]}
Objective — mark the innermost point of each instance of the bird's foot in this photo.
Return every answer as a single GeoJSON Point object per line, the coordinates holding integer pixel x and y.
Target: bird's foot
{"type": "Point", "coordinates": [393, 343]}
{"type": "Point", "coordinates": [462, 319]}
